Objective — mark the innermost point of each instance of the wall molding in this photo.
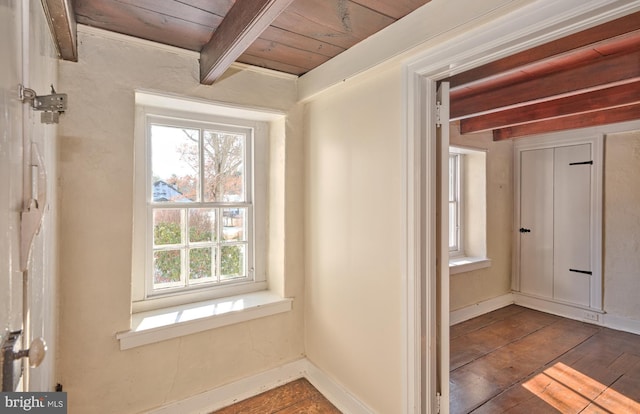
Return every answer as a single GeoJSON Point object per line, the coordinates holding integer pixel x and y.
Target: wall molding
{"type": "Point", "coordinates": [480, 308]}
{"type": "Point", "coordinates": [242, 389]}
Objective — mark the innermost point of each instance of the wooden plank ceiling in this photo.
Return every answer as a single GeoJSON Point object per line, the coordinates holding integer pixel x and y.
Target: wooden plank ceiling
{"type": "Point", "coordinates": [586, 79]}
{"type": "Point", "coordinates": [589, 78]}
{"type": "Point", "coordinates": [291, 36]}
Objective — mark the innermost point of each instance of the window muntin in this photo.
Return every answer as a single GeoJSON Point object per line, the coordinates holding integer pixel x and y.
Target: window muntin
{"type": "Point", "coordinates": [199, 207]}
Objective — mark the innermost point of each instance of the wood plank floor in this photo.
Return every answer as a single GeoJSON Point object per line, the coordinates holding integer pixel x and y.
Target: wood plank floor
{"type": "Point", "coordinates": [517, 360]}
{"type": "Point", "coordinates": [296, 397]}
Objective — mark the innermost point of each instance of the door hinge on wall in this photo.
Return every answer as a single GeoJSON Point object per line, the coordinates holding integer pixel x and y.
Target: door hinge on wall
{"type": "Point", "coordinates": [438, 114]}
{"type": "Point", "coordinates": [51, 105]}
{"type": "Point", "coordinates": [438, 402]}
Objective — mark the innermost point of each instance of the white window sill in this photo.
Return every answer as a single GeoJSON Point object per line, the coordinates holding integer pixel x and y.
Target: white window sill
{"type": "Point", "coordinates": [162, 324]}
{"type": "Point", "coordinates": [467, 264]}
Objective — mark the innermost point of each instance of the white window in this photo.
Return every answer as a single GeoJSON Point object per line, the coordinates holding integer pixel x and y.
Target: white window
{"type": "Point", "coordinates": [198, 212]}
{"type": "Point", "coordinates": [455, 204]}
{"type": "Point", "coordinates": [467, 210]}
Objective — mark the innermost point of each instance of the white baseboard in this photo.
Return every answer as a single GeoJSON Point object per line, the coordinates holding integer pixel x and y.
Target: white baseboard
{"type": "Point", "coordinates": [334, 392]}
{"type": "Point", "coordinates": [225, 395]}
{"type": "Point", "coordinates": [592, 316]}
{"type": "Point", "coordinates": [480, 308]}
{"type": "Point", "coordinates": [249, 387]}
{"type": "Point", "coordinates": [621, 323]}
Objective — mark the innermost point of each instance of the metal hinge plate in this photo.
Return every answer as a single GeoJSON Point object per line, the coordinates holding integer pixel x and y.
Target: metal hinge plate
{"type": "Point", "coordinates": [438, 402]}
{"type": "Point", "coordinates": [438, 114]}
{"type": "Point", "coordinates": [51, 105]}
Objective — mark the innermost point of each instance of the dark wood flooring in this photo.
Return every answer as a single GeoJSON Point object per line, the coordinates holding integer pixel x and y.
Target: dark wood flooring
{"type": "Point", "coordinates": [296, 397]}
{"type": "Point", "coordinates": [517, 360]}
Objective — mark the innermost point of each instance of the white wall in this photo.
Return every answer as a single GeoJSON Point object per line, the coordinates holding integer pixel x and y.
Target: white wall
{"type": "Point", "coordinates": [96, 185]}
{"type": "Point", "coordinates": [353, 228]}
{"type": "Point", "coordinates": [469, 288]}
{"type": "Point", "coordinates": [622, 226]}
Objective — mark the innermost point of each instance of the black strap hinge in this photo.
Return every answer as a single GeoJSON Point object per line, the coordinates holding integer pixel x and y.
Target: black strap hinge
{"type": "Point", "coordinates": [586, 272]}
{"type": "Point", "coordinates": [581, 163]}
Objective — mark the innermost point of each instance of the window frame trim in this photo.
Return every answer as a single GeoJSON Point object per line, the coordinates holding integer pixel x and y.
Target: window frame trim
{"type": "Point", "coordinates": [248, 157]}
{"type": "Point", "coordinates": [258, 164]}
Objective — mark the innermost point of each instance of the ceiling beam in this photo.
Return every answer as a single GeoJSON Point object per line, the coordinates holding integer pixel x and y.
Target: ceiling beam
{"type": "Point", "coordinates": [572, 105]}
{"type": "Point", "coordinates": [62, 23]}
{"type": "Point", "coordinates": [242, 25]}
{"type": "Point", "coordinates": [609, 116]}
{"type": "Point", "coordinates": [601, 73]}
{"type": "Point", "coordinates": [550, 50]}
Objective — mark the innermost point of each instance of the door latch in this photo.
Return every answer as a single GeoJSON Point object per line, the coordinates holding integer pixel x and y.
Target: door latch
{"type": "Point", "coordinates": [523, 230]}
{"type": "Point", "coordinates": [11, 358]}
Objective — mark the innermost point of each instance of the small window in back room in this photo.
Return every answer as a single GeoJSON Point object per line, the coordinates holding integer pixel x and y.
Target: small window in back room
{"type": "Point", "coordinates": [467, 209]}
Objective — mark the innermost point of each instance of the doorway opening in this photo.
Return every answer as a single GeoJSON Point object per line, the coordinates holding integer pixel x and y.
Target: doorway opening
{"type": "Point", "coordinates": [425, 384]}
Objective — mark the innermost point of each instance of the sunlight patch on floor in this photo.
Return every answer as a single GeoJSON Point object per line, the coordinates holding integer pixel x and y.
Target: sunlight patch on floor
{"type": "Point", "coordinates": [570, 391]}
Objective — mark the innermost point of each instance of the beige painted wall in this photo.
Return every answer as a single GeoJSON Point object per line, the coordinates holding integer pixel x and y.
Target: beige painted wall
{"type": "Point", "coordinates": [353, 228]}
{"type": "Point", "coordinates": [622, 225]}
{"type": "Point", "coordinates": [96, 185]}
{"type": "Point", "coordinates": [472, 287]}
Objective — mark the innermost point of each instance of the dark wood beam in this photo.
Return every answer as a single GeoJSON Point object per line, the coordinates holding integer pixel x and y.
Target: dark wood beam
{"type": "Point", "coordinates": [550, 50]}
{"type": "Point", "coordinates": [62, 22]}
{"type": "Point", "coordinates": [571, 59]}
{"type": "Point", "coordinates": [609, 116]}
{"type": "Point", "coordinates": [572, 105]}
{"type": "Point", "coordinates": [244, 23]}
{"type": "Point", "coordinates": [601, 73]}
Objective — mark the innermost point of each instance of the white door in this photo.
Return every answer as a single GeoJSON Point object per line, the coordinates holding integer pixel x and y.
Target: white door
{"type": "Point", "coordinates": [555, 256]}
{"type": "Point", "coordinates": [27, 299]}
{"type": "Point", "coordinates": [572, 271]}
{"type": "Point", "coordinates": [536, 222]}
{"type": "Point", "coordinates": [442, 266]}
{"type": "Point", "coordinates": [11, 167]}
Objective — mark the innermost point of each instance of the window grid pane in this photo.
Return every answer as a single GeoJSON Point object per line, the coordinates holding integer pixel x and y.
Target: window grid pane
{"type": "Point", "coordinates": [167, 268]}
{"type": "Point", "coordinates": [189, 241]}
{"type": "Point", "coordinates": [197, 241]}
{"type": "Point", "coordinates": [175, 163]}
{"type": "Point", "coordinates": [224, 155]}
